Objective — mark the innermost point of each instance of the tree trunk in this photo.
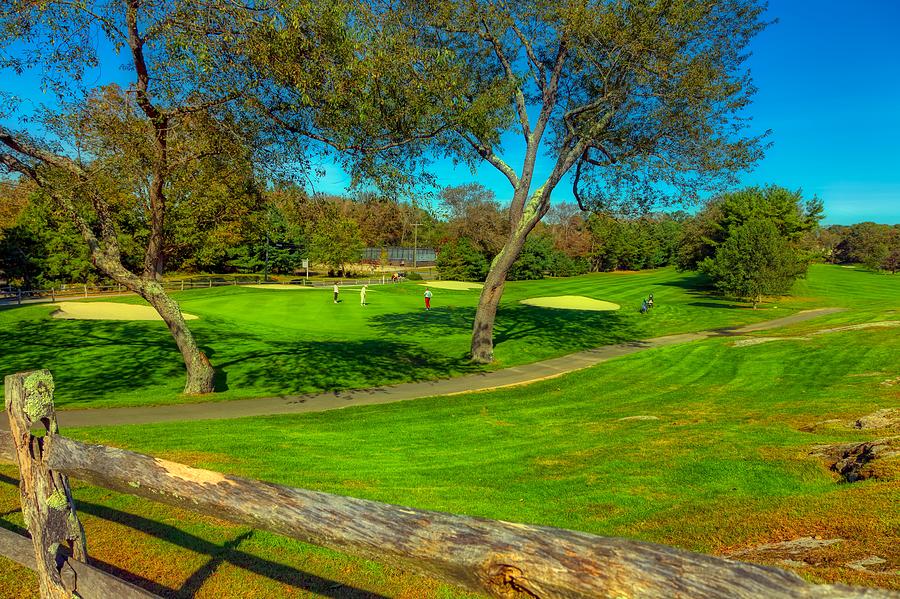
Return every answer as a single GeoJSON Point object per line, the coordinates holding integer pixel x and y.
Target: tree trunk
{"type": "Point", "coordinates": [200, 372]}
{"type": "Point", "coordinates": [482, 350]}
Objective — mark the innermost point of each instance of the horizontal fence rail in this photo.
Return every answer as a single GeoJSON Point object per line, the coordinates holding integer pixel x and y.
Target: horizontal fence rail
{"type": "Point", "coordinates": [90, 582]}
{"type": "Point", "coordinates": [477, 554]}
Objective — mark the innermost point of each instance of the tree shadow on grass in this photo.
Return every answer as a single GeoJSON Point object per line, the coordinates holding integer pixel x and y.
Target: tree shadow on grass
{"type": "Point", "coordinates": [551, 329]}
{"type": "Point", "coordinates": [227, 552]}
{"type": "Point", "coordinates": [93, 358]}
{"type": "Point", "coordinates": [293, 367]}
{"type": "Point", "coordinates": [100, 360]}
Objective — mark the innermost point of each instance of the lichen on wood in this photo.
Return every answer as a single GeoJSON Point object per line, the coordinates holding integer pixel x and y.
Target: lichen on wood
{"type": "Point", "coordinates": [45, 495]}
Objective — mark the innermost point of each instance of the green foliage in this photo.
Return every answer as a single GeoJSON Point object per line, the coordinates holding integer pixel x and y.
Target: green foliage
{"type": "Point", "coordinates": [42, 248]}
{"type": "Point", "coordinates": [460, 260]}
{"type": "Point", "coordinates": [755, 261]}
{"type": "Point", "coordinates": [633, 244]}
{"type": "Point", "coordinates": [414, 276]}
{"type": "Point", "coordinates": [534, 260]}
{"type": "Point", "coordinates": [873, 245]}
{"type": "Point", "coordinates": [789, 213]}
{"type": "Point", "coordinates": [563, 265]}
{"type": "Point", "coordinates": [336, 242]}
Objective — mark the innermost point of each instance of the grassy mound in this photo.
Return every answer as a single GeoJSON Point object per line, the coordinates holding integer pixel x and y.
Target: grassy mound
{"type": "Point", "coordinates": [571, 302]}
{"type": "Point", "coordinates": [108, 311]}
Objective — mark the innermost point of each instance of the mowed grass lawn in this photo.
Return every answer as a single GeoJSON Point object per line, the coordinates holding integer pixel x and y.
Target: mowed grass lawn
{"type": "Point", "coordinates": [722, 465]}
{"type": "Point", "coordinates": [273, 342]}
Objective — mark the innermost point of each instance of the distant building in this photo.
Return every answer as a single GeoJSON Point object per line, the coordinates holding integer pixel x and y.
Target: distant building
{"type": "Point", "coordinates": [401, 255]}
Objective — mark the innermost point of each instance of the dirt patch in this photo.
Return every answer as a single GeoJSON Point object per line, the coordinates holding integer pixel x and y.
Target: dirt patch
{"type": "Point", "coordinates": [760, 340]}
{"type": "Point", "coordinates": [886, 418]}
{"type": "Point", "coordinates": [856, 327]}
{"type": "Point", "coordinates": [571, 302]}
{"type": "Point", "coordinates": [873, 563]}
{"type": "Point", "coordinates": [108, 311]}
{"type": "Point", "coordinates": [786, 549]}
{"type": "Point", "coordinates": [853, 327]}
{"type": "Point", "coordinates": [879, 459]}
{"type": "Point", "coordinates": [453, 285]}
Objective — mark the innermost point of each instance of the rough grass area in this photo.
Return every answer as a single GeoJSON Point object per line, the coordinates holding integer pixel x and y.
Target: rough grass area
{"type": "Point", "coordinates": [266, 342]}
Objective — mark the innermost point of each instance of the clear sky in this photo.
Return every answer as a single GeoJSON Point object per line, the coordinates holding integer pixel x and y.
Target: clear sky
{"type": "Point", "coordinates": [828, 75]}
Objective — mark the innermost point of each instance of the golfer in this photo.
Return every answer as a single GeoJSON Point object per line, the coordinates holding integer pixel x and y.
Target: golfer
{"type": "Point", "coordinates": [336, 292]}
{"type": "Point", "coordinates": [427, 298]}
{"type": "Point", "coordinates": [362, 295]}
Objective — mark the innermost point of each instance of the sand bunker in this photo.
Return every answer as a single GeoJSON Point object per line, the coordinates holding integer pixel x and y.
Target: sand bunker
{"type": "Point", "coordinates": [107, 311]}
{"type": "Point", "coordinates": [455, 285]}
{"type": "Point", "coordinates": [279, 287]}
{"type": "Point", "coordinates": [571, 302]}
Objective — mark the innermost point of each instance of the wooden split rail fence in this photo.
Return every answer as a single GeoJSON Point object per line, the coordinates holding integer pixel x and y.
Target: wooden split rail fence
{"type": "Point", "coordinates": [497, 558]}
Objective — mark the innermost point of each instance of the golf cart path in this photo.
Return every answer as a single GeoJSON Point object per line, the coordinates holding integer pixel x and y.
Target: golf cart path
{"type": "Point", "coordinates": [482, 381]}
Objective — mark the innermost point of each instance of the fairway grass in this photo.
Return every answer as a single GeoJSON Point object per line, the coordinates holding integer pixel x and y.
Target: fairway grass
{"type": "Point", "coordinates": [703, 446]}
{"type": "Point", "coordinates": [264, 343]}
{"type": "Point", "coordinates": [108, 311]}
{"type": "Point", "coordinates": [571, 302]}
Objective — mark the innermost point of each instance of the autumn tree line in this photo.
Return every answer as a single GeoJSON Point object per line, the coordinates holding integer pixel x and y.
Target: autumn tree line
{"type": "Point", "coordinates": [223, 110]}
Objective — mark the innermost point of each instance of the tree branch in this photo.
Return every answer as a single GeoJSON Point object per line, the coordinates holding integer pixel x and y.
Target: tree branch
{"type": "Point", "coordinates": [488, 155]}
{"type": "Point", "coordinates": [511, 77]}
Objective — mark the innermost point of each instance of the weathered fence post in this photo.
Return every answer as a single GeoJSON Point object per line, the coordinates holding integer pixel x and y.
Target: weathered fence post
{"type": "Point", "coordinates": [46, 499]}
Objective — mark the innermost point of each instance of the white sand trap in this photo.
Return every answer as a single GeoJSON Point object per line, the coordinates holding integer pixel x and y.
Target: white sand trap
{"type": "Point", "coordinates": [108, 311]}
{"type": "Point", "coordinates": [455, 285]}
{"type": "Point", "coordinates": [277, 287]}
{"type": "Point", "coordinates": [571, 302]}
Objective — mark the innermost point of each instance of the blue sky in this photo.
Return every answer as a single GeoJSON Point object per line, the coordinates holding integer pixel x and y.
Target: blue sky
{"type": "Point", "coordinates": [828, 75]}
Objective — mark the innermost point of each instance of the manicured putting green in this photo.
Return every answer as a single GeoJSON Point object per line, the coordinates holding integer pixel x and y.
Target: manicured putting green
{"type": "Point", "coordinates": [108, 311]}
{"type": "Point", "coordinates": [571, 302]}
{"type": "Point", "coordinates": [454, 285]}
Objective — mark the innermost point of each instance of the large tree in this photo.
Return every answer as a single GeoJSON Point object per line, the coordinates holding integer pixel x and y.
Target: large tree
{"type": "Point", "coordinates": [117, 146]}
{"type": "Point", "coordinates": [755, 261]}
{"type": "Point", "coordinates": [638, 100]}
{"type": "Point", "coordinates": [194, 65]}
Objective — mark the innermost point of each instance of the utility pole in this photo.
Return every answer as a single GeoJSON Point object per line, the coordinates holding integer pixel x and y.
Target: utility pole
{"type": "Point", "coordinates": [415, 227]}
{"type": "Point", "coordinates": [266, 274]}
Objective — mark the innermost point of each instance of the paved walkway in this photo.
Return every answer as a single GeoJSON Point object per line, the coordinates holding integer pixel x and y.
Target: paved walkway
{"type": "Point", "coordinates": [319, 402]}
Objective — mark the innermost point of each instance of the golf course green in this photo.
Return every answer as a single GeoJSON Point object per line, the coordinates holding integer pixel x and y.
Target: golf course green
{"type": "Point", "coordinates": [268, 342]}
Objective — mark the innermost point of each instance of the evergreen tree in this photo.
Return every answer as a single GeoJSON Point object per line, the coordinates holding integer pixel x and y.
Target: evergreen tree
{"type": "Point", "coordinates": [753, 262]}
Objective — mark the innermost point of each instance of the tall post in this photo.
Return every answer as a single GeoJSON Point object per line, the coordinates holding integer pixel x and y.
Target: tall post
{"type": "Point", "coordinates": [47, 505]}
{"type": "Point", "coordinates": [416, 244]}
{"type": "Point", "coordinates": [266, 273]}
